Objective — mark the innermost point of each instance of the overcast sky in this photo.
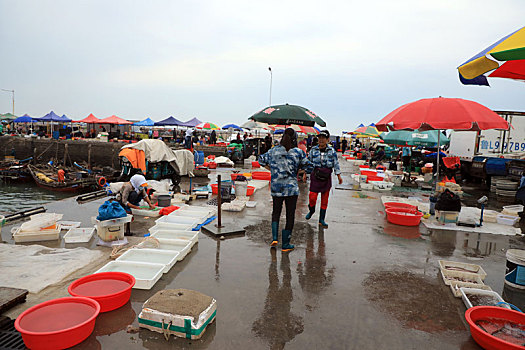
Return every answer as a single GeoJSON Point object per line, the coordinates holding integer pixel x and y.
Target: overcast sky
{"type": "Point", "coordinates": [348, 61]}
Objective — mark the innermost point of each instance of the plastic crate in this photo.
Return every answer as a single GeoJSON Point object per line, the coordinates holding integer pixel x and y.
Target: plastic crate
{"type": "Point", "coordinates": [449, 265]}
{"type": "Point", "coordinates": [447, 217]}
{"type": "Point", "coordinates": [465, 292]}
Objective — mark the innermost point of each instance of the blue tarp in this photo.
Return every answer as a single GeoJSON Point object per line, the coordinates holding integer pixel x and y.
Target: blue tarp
{"type": "Point", "coordinates": [24, 119]}
{"type": "Point", "coordinates": [192, 122]}
{"type": "Point", "coordinates": [169, 122]}
{"type": "Point", "coordinates": [145, 122]}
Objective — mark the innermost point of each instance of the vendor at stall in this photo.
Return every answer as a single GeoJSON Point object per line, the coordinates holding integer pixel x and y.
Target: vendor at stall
{"type": "Point", "coordinates": [132, 192]}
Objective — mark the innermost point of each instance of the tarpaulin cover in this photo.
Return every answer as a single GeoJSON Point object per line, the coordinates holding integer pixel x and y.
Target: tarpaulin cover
{"type": "Point", "coordinates": [136, 158]}
{"type": "Point", "coordinates": [158, 151]}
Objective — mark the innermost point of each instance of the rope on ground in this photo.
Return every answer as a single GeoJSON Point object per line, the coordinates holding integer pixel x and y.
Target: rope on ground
{"type": "Point", "coordinates": [119, 250]}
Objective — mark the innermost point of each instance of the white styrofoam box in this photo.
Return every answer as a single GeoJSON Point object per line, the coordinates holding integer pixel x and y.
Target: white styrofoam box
{"type": "Point", "coordinates": [210, 210]}
{"type": "Point", "coordinates": [444, 264]}
{"type": "Point", "coordinates": [450, 277]}
{"type": "Point", "coordinates": [37, 235]}
{"type": "Point", "coordinates": [192, 236]}
{"type": "Point", "coordinates": [171, 226]}
{"type": "Point", "coordinates": [171, 219]}
{"type": "Point", "coordinates": [39, 221]}
{"type": "Point", "coordinates": [465, 292]}
{"type": "Point", "coordinates": [79, 235]}
{"type": "Point", "coordinates": [507, 219]}
{"type": "Point", "coordinates": [251, 204]}
{"type": "Point", "coordinates": [168, 258]}
{"type": "Point", "coordinates": [181, 246]}
{"type": "Point", "coordinates": [146, 274]}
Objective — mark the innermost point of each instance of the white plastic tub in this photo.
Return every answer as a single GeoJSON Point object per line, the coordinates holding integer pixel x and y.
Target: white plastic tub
{"type": "Point", "coordinates": [168, 258]}
{"type": "Point", "coordinates": [79, 235]}
{"type": "Point", "coordinates": [171, 226]}
{"type": "Point", "coordinates": [35, 236]}
{"type": "Point", "coordinates": [451, 265]}
{"type": "Point", "coordinates": [192, 236]}
{"type": "Point", "coordinates": [146, 274]}
{"type": "Point", "coordinates": [146, 212]}
{"type": "Point", "coordinates": [39, 221]}
{"type": "Point", "coordinates": [66, 225]}
{"type": "Point", "coordinates": [456, 287]}
{"type": "Point", "coordinates": [199, 217]}
{"type": "Point", "coordinates": [469, 292]}
{"type": "Point", "coordinates": [113, 222]}
{"type": "Point", "coordinates": [507, 219]}
{"type": "Point", "coordinates": [512, 210]}
{"type": "Point", "coordinates": [172, 219]}
{"type": "Point", "coordinates": [183, 247]}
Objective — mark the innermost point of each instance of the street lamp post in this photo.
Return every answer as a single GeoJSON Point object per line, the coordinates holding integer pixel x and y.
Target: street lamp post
{"type": "Point", "coordinates": [271, 78]}
{"type": "Point", "coordinates": [13, 92]}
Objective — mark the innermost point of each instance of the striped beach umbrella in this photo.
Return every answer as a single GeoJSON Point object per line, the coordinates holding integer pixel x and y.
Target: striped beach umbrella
{"type": "Point", "coordinates": [503, 59]}
{"type": "Point", "coordinates": [207, 126]}
{"type": "Point", "coordinates": [366, 131]}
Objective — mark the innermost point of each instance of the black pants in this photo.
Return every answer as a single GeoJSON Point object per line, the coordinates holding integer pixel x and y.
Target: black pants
{"type": "Point", "coordinates": [291, 203]}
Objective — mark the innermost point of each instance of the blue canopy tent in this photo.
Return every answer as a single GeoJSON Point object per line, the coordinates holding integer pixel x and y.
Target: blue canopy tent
{"type": "Point", "coordinates": [145, 122]}
{"type": "Point", "coordinates": [24, 119]}
{"type": "Point", "coordinates": [191, 123]}
{"type": "Point", "coordinates": [65, 119]}
{"type": "Point", "coordinates": [169, 122]}
{"type": "Point", "coordinates": [51, 117]}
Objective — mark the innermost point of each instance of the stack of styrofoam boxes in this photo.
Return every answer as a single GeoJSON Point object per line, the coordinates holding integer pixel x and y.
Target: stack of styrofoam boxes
{"type": "Point", "coordinates": [458, 275]}
{"type": "Point", "coordinates": [173, 239]}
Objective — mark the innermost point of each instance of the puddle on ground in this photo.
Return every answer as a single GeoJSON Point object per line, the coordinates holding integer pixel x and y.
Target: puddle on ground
{"type": "Point", "coordinates": [406, 232]}
{"type": "Point", "coordinates": [416, 301]}
{"type": "Point", "coordinates": [262, 231]}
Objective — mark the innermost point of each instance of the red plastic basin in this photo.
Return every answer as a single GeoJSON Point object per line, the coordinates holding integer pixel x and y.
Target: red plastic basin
{"type": "Point", "coordinates": [261, 175]}
{"type": "Point", "coordinates": [58, 323]}
{"type": "Point", "coordinates": [484, 339]}
{"type": "Point", "coordinates": [256, 165]}
{"type": "Point", "coordinates": [364, 166]}
{"type": "Point", "coordinates": [212, 165]}
{"type": "Point", "coordinates": [250, 190]}
{"type": "Point", "coordinates": [110, 289]}
{"type": "Point", "coordinates": [400, 205]}
{"type": "Point", "coordinates": [403, 216]}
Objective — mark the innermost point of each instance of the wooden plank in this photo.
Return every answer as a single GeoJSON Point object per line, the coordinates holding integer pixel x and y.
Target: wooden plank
{"type": "Point", "coordinates": [10, 297]}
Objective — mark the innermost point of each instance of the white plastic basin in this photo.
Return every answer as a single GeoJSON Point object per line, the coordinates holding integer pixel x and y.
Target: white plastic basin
{"type": "Point", "coordinates": [168, 258]}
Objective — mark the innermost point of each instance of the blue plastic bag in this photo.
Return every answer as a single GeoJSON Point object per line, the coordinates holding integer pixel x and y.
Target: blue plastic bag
{"type": "Point", "coordinates": [110, 210]}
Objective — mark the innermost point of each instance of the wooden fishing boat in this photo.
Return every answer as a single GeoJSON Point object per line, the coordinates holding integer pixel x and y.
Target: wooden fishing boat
{"type": "Point", "coordinates": [15, 171]}
{"type": "Point", "coordinates": [46, 177]}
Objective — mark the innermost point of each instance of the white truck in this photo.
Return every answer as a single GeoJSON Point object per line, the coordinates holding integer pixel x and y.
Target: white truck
{"type": "Point", "coordinates": [491, 143]}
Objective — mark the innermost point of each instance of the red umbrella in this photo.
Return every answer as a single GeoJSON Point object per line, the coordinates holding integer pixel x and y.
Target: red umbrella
{"type": "Point", "coordinates": [440, 114]}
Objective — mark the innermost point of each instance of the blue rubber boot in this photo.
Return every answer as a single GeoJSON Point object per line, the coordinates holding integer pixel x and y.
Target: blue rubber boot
{"type": "Point", "coordinates": [286, 241]}
{"type": "Point", "coordinates": [312, 211]}
{"type": "Point", "coordinates": [275, 234]}
{"type": "Point", "coordinates": [322, 215]}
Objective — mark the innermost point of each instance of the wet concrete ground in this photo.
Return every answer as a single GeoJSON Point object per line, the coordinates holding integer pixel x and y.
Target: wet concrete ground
{"type": "Point", "coordinates": [362, 283]}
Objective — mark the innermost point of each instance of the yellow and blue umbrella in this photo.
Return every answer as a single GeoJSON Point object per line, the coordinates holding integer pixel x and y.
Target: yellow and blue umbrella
{"type": "Point", "coordinates": [503, 59]}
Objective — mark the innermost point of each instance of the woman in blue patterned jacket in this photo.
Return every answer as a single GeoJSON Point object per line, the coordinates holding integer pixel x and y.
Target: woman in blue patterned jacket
{"type": "Point", "coordinates": [324, 159]}
{"type": "Point", "coordinates": [284, 161]}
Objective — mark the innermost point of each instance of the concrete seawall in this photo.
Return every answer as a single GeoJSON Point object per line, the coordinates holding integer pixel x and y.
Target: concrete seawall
{"type": "Point", "coordinates": [95, 153]}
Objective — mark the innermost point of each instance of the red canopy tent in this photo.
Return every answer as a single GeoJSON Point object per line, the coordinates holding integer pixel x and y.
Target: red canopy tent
{"type": "Point", "coordinates": [114, 120]}
{"type": "Point", "coordinates": [90, 119]}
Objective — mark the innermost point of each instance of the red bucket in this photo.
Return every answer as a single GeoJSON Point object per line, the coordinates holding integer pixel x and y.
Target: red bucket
{"type": "Point", "coordinates": [214, 188]}
{"type": "Point", "coordinates": [58, 323]}
{"type": "Point", "coordinates": [403, 216]}
{"type": "Point", "coordinates": [250, 190]}
{"type": "Point", "coordinates": [110, 289]}
{"type": "Point", "coordinates": [488, 313]}
{"type": "Point", "coordinates": [212, 165]}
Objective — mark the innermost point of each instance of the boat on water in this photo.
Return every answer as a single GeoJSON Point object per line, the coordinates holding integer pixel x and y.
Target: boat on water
{"type": "Point", "coordinates": [13, 170]}
{"type": "Point", "coordinates": [75, 181]}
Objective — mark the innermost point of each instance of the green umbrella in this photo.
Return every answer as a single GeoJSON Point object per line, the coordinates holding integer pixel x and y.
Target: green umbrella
{"type": "Point", "coordinates": [7, 116]}
{"type": "Point", "coordinates": [288, 115]}
{"type": "Point", "coordinates": [414, 138]}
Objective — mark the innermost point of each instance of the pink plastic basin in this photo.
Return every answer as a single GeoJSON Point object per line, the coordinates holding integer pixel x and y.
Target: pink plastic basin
{"type": "Point", "coordinates": [58, 323]}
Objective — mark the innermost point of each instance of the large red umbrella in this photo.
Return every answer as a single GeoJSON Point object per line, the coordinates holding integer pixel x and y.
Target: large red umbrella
{"type": "Point", "coordinates": [441, 114]}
